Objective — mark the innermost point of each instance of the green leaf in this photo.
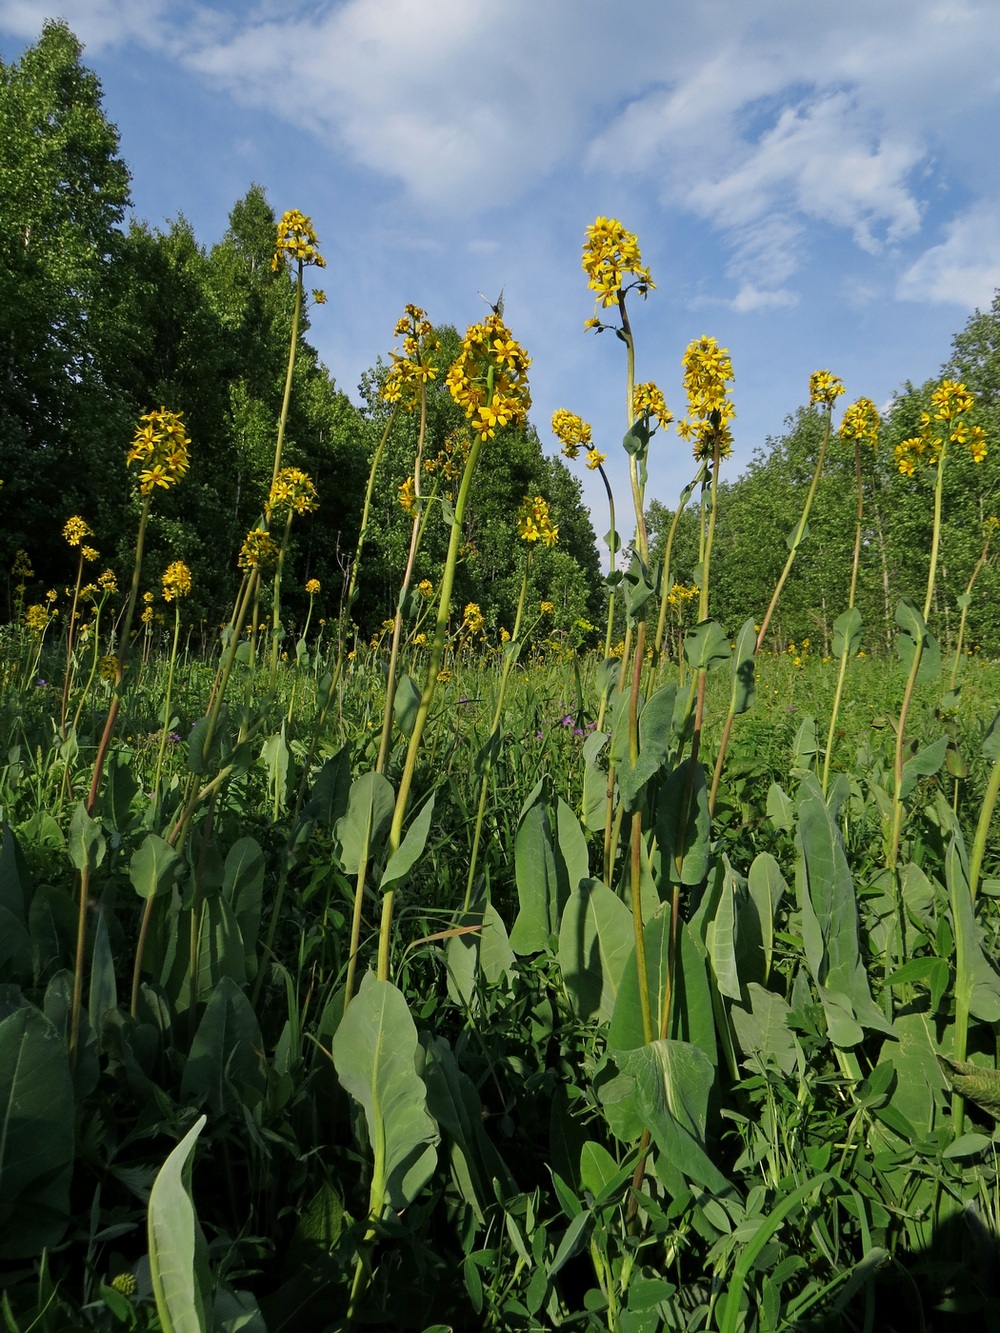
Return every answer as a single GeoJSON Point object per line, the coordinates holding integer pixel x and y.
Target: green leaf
{"type": "Point", "coordinates": [976, 1084]}
{"type": "Point", "coordinates": [762, 1029]}
{"type": "Point", "coordinates": [977, 983]}
{"type": "Point", "coordinates": [655, 742]}
{"type": "Point", "coordinates": [86, 839]}
{"type": "Point", "coordinates": [991, 741]}
{"type": "Point", "coordinates": [548, 863]}
{"type": "Point", "coordinates": [374, 1053]}
{"type": "Point", "coordinates": [742, 666]}
{"type": "Point", "coordinates": [914, 632]}
{"type": "Point", "coordinates": [224, 1067]}
{"type": "Point", "coordinates": [405, 704]}
{"type": "Point", "coordinates": [176, 1246]}
{"type": "Point", "coordinates": [595, 940]}
{"type": "Point", "coordinates": [847, 633]}
{"type": "Point", "coordinates": [411, 848]}
{"type": "Point", "coordinates": [683, 825]}
{"type": "Point", "coordinates": [363, 828]}
{"type": "Point", "coordinates": [706, 646]}
{"type": "Point", "coordinates": [15, 882]}
{"type": "Point", "coordinates": [154, 866]}
{"type": "Point", "coordinates": [243, 889]}
{"type": "Point", "coordinates": [796, 537]}
{"type": "Point", "coordinates": [37, 1119]}
{"type": "Point", "coordinates": [103, 996]}
{"type": "Point", "coordinates": [767, 887]}
{"type": "Point", "coordinates": [923, 764]}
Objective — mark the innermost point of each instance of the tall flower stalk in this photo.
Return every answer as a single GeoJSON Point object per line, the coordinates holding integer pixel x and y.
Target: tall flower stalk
{"type": "Point", "coordinates": [860, 425]}
{"type": "Point", "coordinates": [490, 381]}
{"type": "Point", "coordinates": [947, 424]}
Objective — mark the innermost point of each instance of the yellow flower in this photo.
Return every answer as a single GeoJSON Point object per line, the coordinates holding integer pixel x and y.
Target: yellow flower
{"type": "Point", "coordinates": [312, 587]}
{"type": "Point", "coordinates": [408, 496]}
{"type": "Point", "coordinates": [108, 581]}
{"type": "Point", "coordinates": [412, 368]}
{"type": "Point", "coordinates": [489, 379]}
{"type": "Point", "coordinates": [109, 668]}
{"type": "Point", "coordinates": [425, 588]}
{"type": "Point", "coordinates": [259, 550]}
{"type": "Point", "coordinates": [37, 618]}
{"type": "Point", "coordinates": [292, 491]}
{"type": "Point", "coordinates": [176, 581]}
{"type": "Point", "coordinates": [51, 595]}
{"type": "Point", "coordinates": [707, 373]}
{"type": "Point", "coordinates": [610, 255]}
{"type": "Point", "coordinates": [75, 530]}
{"type": "Point", "coordinates": [824, 388]}
{"type": "Point", "coordinates": [595, 458]}
{"type": "Point", "coordinates": [535, 523]}
{"type": "Point", "coordinates": [319, 296]}
{"type": "Point", "coordinates": [160, 447]}
{"type": "Point", "coordinates": [296, 241]}
{"type": "Point", "coordinates": [443, 677]}
{"type": "Point", "coordinates": [571, 431]}
{"type": "Point", "coordinates": [547, 609]}
{"type": "Point", "coordinates": [648, 402]}
{"type": "Point", "coordinates": [90, 555]}
{"type": "Point", "coordinates": [473, 619]}
{"type": "Point", "coordinates": [861, 422]}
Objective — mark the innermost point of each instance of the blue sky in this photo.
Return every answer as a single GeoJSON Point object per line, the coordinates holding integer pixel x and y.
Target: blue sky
{"type": "Point", "coordinates": [815, 185]}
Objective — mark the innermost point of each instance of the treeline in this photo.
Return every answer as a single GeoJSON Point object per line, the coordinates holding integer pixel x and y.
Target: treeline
{"type": "Point", "coordinates": [100, 323]}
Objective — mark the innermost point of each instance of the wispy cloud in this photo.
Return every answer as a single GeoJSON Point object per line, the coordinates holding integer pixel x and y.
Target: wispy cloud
{"type": "Point", "coordinates": [964, 269]}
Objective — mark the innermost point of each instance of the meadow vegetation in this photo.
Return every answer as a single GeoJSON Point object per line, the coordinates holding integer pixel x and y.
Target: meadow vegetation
{"type": "Point", "coordinates": [404, 923]}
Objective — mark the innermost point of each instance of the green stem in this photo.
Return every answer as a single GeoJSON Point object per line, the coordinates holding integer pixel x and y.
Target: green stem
{"type": "Point", "coordinates": [166, 701]}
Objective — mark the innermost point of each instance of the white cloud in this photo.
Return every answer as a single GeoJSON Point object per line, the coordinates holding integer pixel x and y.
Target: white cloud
{"type": "Point", "coordinates": [964, 269]}
{"type": "Point", "coordinates": [750, 298]}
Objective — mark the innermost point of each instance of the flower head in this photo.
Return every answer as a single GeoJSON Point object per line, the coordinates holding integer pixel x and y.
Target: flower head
{"type": "Point", "coordinates": [489, 379]}
{"type": "Point", "coordinates": [547, 608]}
{"type": "Point", "coordinates": [425, 588]}
{"type": "Point", "coordinates": [160, 447]}
{"type": "Point", "coordinates": [407, 496]}
{"type": "Point", "coordinates": [176, 581]}
{"type": "Point", "coordinates": [861, 422]}
{"type": "Point", "coordinates": [107, 581]}
{"type": "Point", "coordinates": [292, 491]}
{"type": "Point", "coordinates": [824, 388]}
{"type": "Point", "coordinates": [940, 428]}
{"type": "Point", "coordinates": [571, 431]}
{"type": "Point", "coordinates": [708, 371]}
{"type": "Point", "coordinates": [414, 366]}
{"type": "Point", "coordinates": [595, 458]}
{"type": "Point", "coordinates": [259, 550]}
{"type": "Point", "coordinates": [534, 522]}
{"type": "Point", "coordinates": [312, 587]}
{"type": "Point", "coordinates": [296, 241]}
{"type": "Point", "coordinates": [75, 530]}
{"type": "Point", "coordinates": [610, 255]}
{"type": "Point", "coordinates": [473, 620]}
{"type": "Point", "coordinates": [648, 402]}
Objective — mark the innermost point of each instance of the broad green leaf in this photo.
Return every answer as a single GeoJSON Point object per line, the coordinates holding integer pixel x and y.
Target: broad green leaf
{"type": "Point", "coordinates": [914, 1057]}
{"type": "Point", "coordinates": [595, 782]}
{"type": "Point", "coordinates": [154, 866]}
{"type": "Point", "coordinates": [243, 889]}
{"type": "Point", "coordinates": [706, 646]}
{"type": "Point", "coordinates": [914, 632]}
{"type": "Point", "coordinates": [87, 844]}
{"type": "Point", "coordinates": [806, 747]}
{"type": "Point", "coordinates": [548, 863]}
{"type": "Point", "coordinates": [362, 829]}
{"type": "Point", "coordinates": [847, 633]}
{"type": "Point", "coordinates": [224, 1068]}
{"type": "Point", "coordinates": [742, 667]}
{"type": "Point", "coordinates": [222, 951]}
{"type": "Point", "coordinates": [673, 1082]}
{"type": "Point", "coordinates": [683, 826]}
{"type": "Point", "coordinates": [595, 940]}
{"type": "Point", "coordinates": [374, 1053]}
{"type": "Point", "coordinates": [103, 996]}
{"type": "Point", "coordinates": [405, 704]}
{"type": "Point", "coordinates": [597, 1168]}
{"type": "Point", "coordinates": [828, 904]}
{"type": "Point", "coordinates": [762, 1028]}
{"type": "Point", "coordinates": [176, 1246]}
{"type": "Point", "coordinates": [411, 848]}
{"type": "Point", "coordinates": [15, 882]}
{"type": "Point", "coordinates": [977, 983]}
{"type": "Point", "coordinates": [797, 536]}
{"type": "Point", "coordinates": [767, 887]}
{"type": "Point", "coordinates": [780, 809]}
{"type": "Point", "coordinates": [37, 1119]}
{"type": "Point", "coordinates": [991, 741]}
{"type": "Point", "coordinates": [654, 738]}
{"type": "Point", "coordinates": [923, 764]}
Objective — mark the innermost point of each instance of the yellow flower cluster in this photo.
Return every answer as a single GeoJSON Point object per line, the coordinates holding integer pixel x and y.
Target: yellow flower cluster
{"type": "Point", "coordinates": [109, 668]}
{"type": "Point", "coordinates": [708, 371]}
{"type": "Point", "coordinates": [473, 620]}
{"type": "Point", "coordinates": [425, 588]}
{"type": "Point", "coordinates": [160, 448]}
{"type": "Point", "coordinates": [450, 459]}
{"type": "Point", "coordinates": [408, 496]}
{"type": "Point", "coordinates": [108, 581]}
{"type": "Point", "coordinates": [610, 255]}
{"type": "Point", "coordinates": [259, 550]}
{"type": "Point", "coordinates": [824, 388]}
{"type": "Point", "coordinates": [312, 587]}
{"type": "Point", "coordinates": [534, 523]}
{"type": "Point", "coordinates": [414, 366]}
{"type": "Point", "coordinates": [490, 378]}
{"type": "Point", "coordinates": [75, 530]}
{"type": "Point", "coordinates": [951, 401]}
{"type": "Point", "coordinates": [547, 608]}
{"type": "Point", "coordinates": [296, 240]}
{"type": "Point", "coordinates": [679, 595]}
{"type": "Point", "coordinates": [595, 458]}
{"type": "Point", "coordinates": [571, 431]}
{"type": "Point", "coordinates": [293, 491]}
{"type": "Point", "coordinates": [90, 555]}
{"type": "Point", "coordinates": [648, 402]}
{"type": "Point", "coordinates": [37, 618]}
{"type": "Point", "coordinates": [861, 422]}
{"type": "Point", "coordinates": [176, 581]}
